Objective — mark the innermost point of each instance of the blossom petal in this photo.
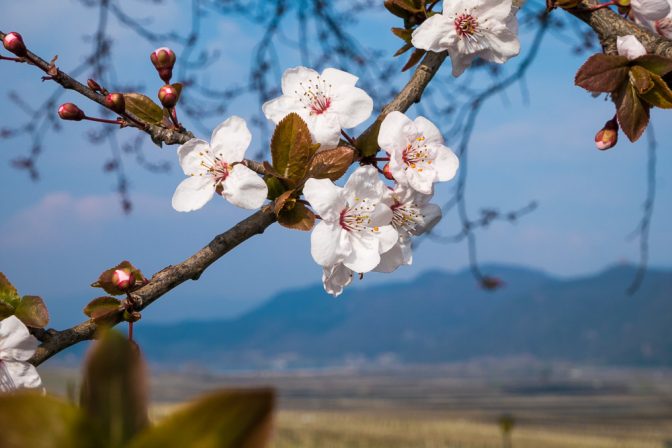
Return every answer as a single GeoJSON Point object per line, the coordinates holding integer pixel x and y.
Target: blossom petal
{"type": "Point", "coordinates": [325, 129]}
{"type": "Point", "coordinates": [630, 47]}
{"type": "Point", "coordinates": [278, 108]}
{"type": "Point", "coordinates": [428, 130]}
{"type": "Point", "coordinates": [387, 238]}
{"type": "Point", "coordinates": [16, 342]}
{"type": "Point", "coordinates": [191, 156]}
{"type": "Point", "coordinates": [338, 78]}
{"type": "Point", "coordinates": [431, 215]}
{"type": "Point", "coordinates": [364, 183]}
{"type": "Point", "coordinates": [193, 193]}
{"type": "Point", "coordinates": [230, 140]}
{"type": "Point", "coordinates": [651, 9]}
{"type": "Point", "coordinates": [296, 79]}
{"type": "Point", "coordinates": [365, 253]}
{"type": "Point", "coordinates": [396, 131]}
{"type": "Point", "coordinates": [244, 188]}
{"type": "Point", "coordinates": [18, 375]}
{"type": "Point", "coordinates": [381, 215]}
{"type": "Point", "coordinates": [328, 244]}
{"type": "Point", "coordinates": [421, 182]}
{"type": "Point", "coordinates": [497, 10]}
{"type": "Point", "coordinates": [460, 62]}
{"type": "Point", "coordinates": [393, 258]}
{"type": "Point", "coordinates": [325, 197]}
{"type": "Point", "coordinates": [335, 278]}
{"type": "Point", "coordinates": [445, 164]}
{"type": "Point", "coordinates": [429, 34]}
{"type": "Point", "coordinates": [353, 106]}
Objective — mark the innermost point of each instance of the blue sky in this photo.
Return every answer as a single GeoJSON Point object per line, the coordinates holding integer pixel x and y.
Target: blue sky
{"type": "Point", "coordinates": [58, 234]}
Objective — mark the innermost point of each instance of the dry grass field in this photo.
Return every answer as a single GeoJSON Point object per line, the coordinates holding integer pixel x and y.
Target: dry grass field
{"type": "Point", "coordinates": [456, 406]}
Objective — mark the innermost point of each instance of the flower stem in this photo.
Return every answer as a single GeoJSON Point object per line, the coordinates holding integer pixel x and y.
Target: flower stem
{"type": "Point", "coordinates": [5, 58]}
{"type": "Point", "coordinates": [130, 331]}
{"type": "Point", "coordinates": [103, 120]}
{"type": "Point", "coordinates": [348, 138]}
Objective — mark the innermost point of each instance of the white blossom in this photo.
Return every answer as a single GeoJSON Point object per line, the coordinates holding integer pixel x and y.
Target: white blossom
{"type": "Point", "coordinates": [649, 10]}
{"type": "Point", "coordinates": [630, 47]}
{"type": "Point", "coordinates": [418, 156]}
{"type": "Point", "coordinates": [471, 28]}
{"type": "Point", "coordinates": [412, 215]}
{"type": "Point", "coordinates": [661, 25]}
{"type": "Point", "coordinates": [336, 278]}
{"type": "Point", "coordinates": [355, 226]}
{"type": "Point", "coordinates": [17, 346]}
{"type": "Point", "coordinates": [328, 102]}
{"type": "Point", "coordinates": [215, 167]}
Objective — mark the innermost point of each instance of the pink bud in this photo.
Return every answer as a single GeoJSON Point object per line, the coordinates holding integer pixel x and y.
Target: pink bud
{"type": "Point", "coordinates": [607, 137]}
{"type": "Point", "coordinates": [164, 59]}
{"type": "Point", "coordinates": [69, 111]}
{"type": "Point", "coordinates": [387, 172]}
{"type": "Point", "coordinates": [13, 42]}
{"type": "Point", "coordinates": [168, 96]}
{"type": "Point", "coordinates": [122, 279]}
{"type": "Point", "coordinates": [116, 102]}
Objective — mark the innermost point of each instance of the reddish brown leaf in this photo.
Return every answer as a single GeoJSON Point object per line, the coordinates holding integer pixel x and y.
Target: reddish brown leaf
{"type": "Point", "coordinates": [633, 116]}
{"type": "Point", "coordinates": [656, 64]}
{"type": "Point", "coordinates": [659, 95]}
{"type": "Point", "coordinates": [640, 78]}
{"type": "Point", "coordinates": [331, 164]}
{"type": "Point", "coordinates": [602, 73]}
{"type": "Point", "coordinates": [414, 59]}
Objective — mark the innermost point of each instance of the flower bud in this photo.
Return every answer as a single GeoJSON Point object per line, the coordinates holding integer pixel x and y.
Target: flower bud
{"type": "Point", "coordinates": [163, 59]}
{"type": "Point", "coordinates": [13, 42]}
{"type": "Point", "coordinates": [69, 111]}
{"type": "Point", "coordinates": [168, 96]}
{"type": "Point", "coordinates": [116, 102]}
{"type": "Point", "coordinates": [607, 137]}
{"type": "Point", "coordinates": [123, 279]}
{"type": "Point", "coordinates": [93, 85]}
{"type": "Point", "coordinates": [387, 172]}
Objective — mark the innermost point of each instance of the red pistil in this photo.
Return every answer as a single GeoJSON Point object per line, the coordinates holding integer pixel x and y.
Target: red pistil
{"type": "Point", "coordinates": [466, 25]}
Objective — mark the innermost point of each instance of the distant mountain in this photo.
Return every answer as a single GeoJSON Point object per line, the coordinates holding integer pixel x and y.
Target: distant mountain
{"type": "Point", "coordinates": [438, 317]}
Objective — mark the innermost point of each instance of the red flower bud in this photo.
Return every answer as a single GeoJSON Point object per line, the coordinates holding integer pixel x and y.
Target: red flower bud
{"type": "Point", "coordinates": [116, 102]}
{"type": "Point", "coordinates": [123, 279]}
{"type": "Point", "coordinates": [69, 111]}
{"type": "Point", "coordinates": [13, 42]}
{"type": "Point", "coordinates": [387, 172]}
{"type": "Point", "coordinates": [168, 96]}
{"type": "Point", "coordinates": [607, 137]}
{"type": "Point", "coordinates": [163, 59]}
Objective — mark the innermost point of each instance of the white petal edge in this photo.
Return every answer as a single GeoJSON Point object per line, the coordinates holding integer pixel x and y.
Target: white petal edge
{"type": "Point", "coordinates": [244, 188]}
{"type": "Point", "coordinates": [325, 197]}
{"type": "Point", "coordinates": [190, 158]}
{"type": "Point", "coordinates": [231, 139]}
{"type": "Point", "coordinates": [193, 193]}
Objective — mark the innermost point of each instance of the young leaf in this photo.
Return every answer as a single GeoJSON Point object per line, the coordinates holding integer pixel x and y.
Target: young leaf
{"type": "Point", "coordinates": [9, 297]}
{"type": "Point", "coordinates": [660, 94]}
{"type": "Point", "coordinates": [32, 420]}
{"type": "Point", "coordinates": [114, 390]}
{"type": "Point", "coordinates": [292, 148]}
{"type": "Point", "coordinates": [403, 34]}
{"type": "Point", "coordinates": [655, 64]}
{"type": "Point", "coordinates": [403, 50]}
{"type": "Point", "coordinates": [275, 187]}
{"type": "Point", "coordinates": [640, 78]}
{"type": "Point", "coordinates": [602, 73]}
{"type": "Point", "coordinates": [414, 59]}
{"type": "Point", "coordinates": [143, 107]}
{"type": "Point", "coordinates": [33, 312]}
{"type": "Point", "coordinates": [296, 216]}
{"type": "Point", "coordinates": [331, 164]}
{"type": "Point", "coordinates": [226, 419]}
{"type": "Point", "coordinates": [633, 116]}
{"type": "Point", "coordinates": [102, 307]}
{"type": "Point", "coordinates": [120, 279]}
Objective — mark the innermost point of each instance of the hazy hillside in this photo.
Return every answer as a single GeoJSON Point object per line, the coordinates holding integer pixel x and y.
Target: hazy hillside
{"type": "Point", "coordinates": [438, 317]}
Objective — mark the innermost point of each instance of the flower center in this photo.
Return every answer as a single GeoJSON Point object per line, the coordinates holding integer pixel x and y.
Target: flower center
{"type": "Point", "coordinates": [217, 168]}
{"type": "Point", "coordinates": [416, 154]}
{"type": "Point", "coordinates": [315, 95]}
{"type": "Point", "coordinates": [357, 217]}
{"type": "Point", "coordinates": [405, 217]}
{"type": "Point", "coordinates": [664, 27]}
{"type": "Point", "coordinates": [466, 25]}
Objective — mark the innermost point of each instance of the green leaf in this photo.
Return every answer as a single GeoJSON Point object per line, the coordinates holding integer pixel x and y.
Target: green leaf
{"type": "Point", "coordinates": [102, 308]}
{"type": "Point", "coordinates": [416, 56]}
{"type": "Point", "coordinates": [143, 107]}
{"type": "Point", "coordinates": [602, 73]}
{"type": "Point", "coordinates": [275, 187]}
{"type": "Point", "coordinates": [403, 34]}
{"type": "Point", "coordinates": [32, 420]}
{"type": "Point", "coordinates": [292, 148]}
{"type": "Point", "coordinates": [655, 64]}
{"type": "Point", "coordinates": [367, 143]}
{"type": "Point", "coordinates": [659, 95]}
{"type": "Point", "coordinates": [33, 312]}
{"type": "Point", "coordinates": [9, 297]}
{"type": "Point", "coordinates": [640, 78]}
{"type": "Point", "coordinates": [331, 164]}
{"type": "Point", "coordinates": [114, 390]}
{"type": "Point", "coordinates": [226, 419]}
{"type": "Point", "coordinates": [633, 116]}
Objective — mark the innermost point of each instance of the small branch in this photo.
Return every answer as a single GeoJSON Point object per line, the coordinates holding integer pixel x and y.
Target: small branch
{"type": "Point", "coordinates": [167, 136]}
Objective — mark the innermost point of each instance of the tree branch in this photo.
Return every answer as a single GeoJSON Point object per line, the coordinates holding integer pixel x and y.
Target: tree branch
{"type": "Point", "coordinates": [168, 136]}
{"type": "Point", "coordinates": [55, 341]}
{"type": "Point", "coordinates": [608, 25]}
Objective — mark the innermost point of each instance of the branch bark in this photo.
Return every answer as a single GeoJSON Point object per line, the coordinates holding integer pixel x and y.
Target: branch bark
{"type": "Point", "coordinates": [608, 25]}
